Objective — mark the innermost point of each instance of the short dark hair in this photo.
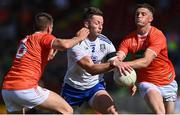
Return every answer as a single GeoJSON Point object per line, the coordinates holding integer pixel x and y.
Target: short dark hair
{"type": "Point", "coordinates": [89, 12]}
{"type": "Point", "coordinates": [42, 20]}
{"type": "Point", "coordinates": [147, 6]}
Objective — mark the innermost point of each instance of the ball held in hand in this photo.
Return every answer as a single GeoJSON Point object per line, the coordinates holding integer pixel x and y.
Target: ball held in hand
{"type": "Point", "coordinates": [122, 80]}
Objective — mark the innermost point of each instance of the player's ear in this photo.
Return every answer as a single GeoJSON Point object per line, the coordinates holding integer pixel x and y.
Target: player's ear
{"type": "Point", "coordinates": [150, 19]}
{"type": "Point", "coordinates": [49, 28]}
{"type": "Point", "coordinates": [86, 24]}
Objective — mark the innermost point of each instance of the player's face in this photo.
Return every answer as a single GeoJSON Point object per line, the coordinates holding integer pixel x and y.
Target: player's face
{"type": "Point", "coordinates": [143, 17]}
{"type": "Point", "coordinates": [96, 25]}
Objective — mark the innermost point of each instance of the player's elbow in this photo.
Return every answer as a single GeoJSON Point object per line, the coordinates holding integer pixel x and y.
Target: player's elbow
{"type": "Point", "coordinates": [94, 73]}
{"type": "Point", "coordinates": [91, 71]}
{"type": "Point", "coordinates": [61, 46]}
{"type": "Point", "coordinates": [66, 46]}
{"type": "Point", "coordinates": [88, 65]}
{"type": "Point", "coordinates": [146, 63]}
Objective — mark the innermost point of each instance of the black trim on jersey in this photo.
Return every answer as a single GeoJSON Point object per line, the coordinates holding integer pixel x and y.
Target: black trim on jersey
{"type": "Point", "coordinates": [110, 55]}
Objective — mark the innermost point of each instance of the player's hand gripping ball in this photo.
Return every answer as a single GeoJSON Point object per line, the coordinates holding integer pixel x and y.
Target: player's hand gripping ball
{"type": "Point", "coordinates": [122, 80]}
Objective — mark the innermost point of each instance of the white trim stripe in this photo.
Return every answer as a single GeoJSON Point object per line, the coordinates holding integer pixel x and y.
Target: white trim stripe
{"type": "Point", "coordinates": [121, 52]}
{"type": "Point", "coordinates": [52, 42]}
{"type": "Point", "coordinates": [152, 51]}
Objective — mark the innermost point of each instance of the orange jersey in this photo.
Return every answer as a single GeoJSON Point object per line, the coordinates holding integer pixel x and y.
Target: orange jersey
{"type": "Point", "coordinates": [29, 63]}
{"type": "Point", "coordinates": [161, 71]}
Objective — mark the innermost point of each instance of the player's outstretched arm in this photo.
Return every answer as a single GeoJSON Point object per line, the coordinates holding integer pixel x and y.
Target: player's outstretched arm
{"type": "Point", "coordinates": [87, 64]}
{"type": "Point", "coordinates": [142, 62]}
{"type": "Point", "coordinates": [64, 44]}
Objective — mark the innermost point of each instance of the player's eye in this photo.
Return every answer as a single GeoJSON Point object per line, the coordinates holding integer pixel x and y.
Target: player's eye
{"type": "Point", "coordinates": [95, 22]}
{"type": "Point", "coordinates": [137, 14]}
{"type": "Point", "coordinates": [143, 13]}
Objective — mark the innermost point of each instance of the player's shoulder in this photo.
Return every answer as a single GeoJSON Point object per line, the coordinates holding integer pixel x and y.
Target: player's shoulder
{"type": "Point", "coordinates": [155, 30]}
{"type": "Point", "coordinates": [42, 36]}
{"type": "Point", "coordinates": [130, 36]}
{"type": "Point", "coordinates": [78, 46]}
{"type": "Point", "coordinates": [48, 35]}
{"type": "Point", "coordinates": [156, 33]}
{"type": "Point", "coordinates": [104, 39]}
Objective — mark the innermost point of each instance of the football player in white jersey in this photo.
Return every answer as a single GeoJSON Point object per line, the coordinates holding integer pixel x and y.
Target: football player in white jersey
{"type": "Point", "coordinates": [84, 78]}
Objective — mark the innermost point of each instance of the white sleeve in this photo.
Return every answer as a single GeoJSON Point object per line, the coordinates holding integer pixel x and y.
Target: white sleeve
{"type": "Point", "coordinates": [111, 48]}
{"type": "Point", "coordinates": [77, 53]}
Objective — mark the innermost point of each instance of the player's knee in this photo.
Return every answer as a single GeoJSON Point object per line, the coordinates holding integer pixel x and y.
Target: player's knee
{"type": "Point", "coordinates": [70, 110]}
{"type": "Point", "coordinates": [112, 110]}
{"type": "Point", "coordinates": [67, 110]}
{"type": "Point", "coordinates": [161, 110]}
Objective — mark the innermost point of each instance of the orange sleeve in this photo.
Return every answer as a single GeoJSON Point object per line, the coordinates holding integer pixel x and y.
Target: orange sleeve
{"type": "Point", "coordinates": [47, 40]}
{"type": "Point", "coordinates": [123, 46]}
{"type": "Point", "coordinates": [157, 42]}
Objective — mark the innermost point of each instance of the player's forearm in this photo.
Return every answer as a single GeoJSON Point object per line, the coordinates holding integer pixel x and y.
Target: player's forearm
{"type": "Point", "coordinates": [121, 55]}
{"type": "Point", "coordinates": [99, 68]}
{"type": "Point", "coordinates": [64, 44]}
{"type": "Point", "coordinates": [139, 63]}
{"type": "Point", "coordinates": [68, 43]}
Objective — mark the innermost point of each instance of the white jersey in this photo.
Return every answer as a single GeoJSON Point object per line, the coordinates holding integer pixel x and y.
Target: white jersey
{"type": "Point", "coordinates": [76, 76]}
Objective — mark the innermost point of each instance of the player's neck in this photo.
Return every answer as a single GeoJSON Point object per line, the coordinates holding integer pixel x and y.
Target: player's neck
{"type": "Point", "coordinates": [92, 37]}
{"type": "Point", "coordinates": [143, 30]}
{"type": "Point", "coordinates": [44, 32]}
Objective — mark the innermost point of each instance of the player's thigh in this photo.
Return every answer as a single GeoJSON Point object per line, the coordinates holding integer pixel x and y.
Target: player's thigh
{"type": "Point", "coordinates": [16, 100]}
{"type": "Point", "coordinates": [55, 102]}
{"type": "Point", "coordinates": [170, 96]}
{"type": "Point", "coordinates": [152, 96]}
{"type": "Point", "coordinates": [101, 101]}
{"type": "Point", "coordinates": [11, 107]}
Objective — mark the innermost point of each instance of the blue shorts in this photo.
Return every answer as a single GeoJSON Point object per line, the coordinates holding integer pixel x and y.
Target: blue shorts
{"type": "Point", "coordinates": [76, 97]}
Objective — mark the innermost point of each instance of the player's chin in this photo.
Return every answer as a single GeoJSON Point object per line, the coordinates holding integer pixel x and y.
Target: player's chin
{"type": "Point", "coordinates": [139, 24]}
{"type": "Point", "coordinates": [97, 34]}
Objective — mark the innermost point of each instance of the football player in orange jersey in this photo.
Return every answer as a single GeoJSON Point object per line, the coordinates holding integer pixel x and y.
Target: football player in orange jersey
{"type": "Point", "coordinates": [156, 75]}
{"type": "Point", "coordinates": [20, 86]}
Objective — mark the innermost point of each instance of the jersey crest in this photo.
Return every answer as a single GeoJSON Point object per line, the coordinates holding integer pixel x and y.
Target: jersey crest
{"type": "Point", "coordinates": [102, 47]}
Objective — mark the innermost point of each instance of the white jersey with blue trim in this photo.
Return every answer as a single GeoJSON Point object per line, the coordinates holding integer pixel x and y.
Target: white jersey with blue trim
{"type": "Point", "coordinates": [76, 76]}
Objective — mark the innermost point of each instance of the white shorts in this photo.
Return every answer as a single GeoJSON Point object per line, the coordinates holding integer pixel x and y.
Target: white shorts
{"type": "Point", "coordinates": [16, 100]}
{"type": "Point", "coordinates": [168, 92]}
